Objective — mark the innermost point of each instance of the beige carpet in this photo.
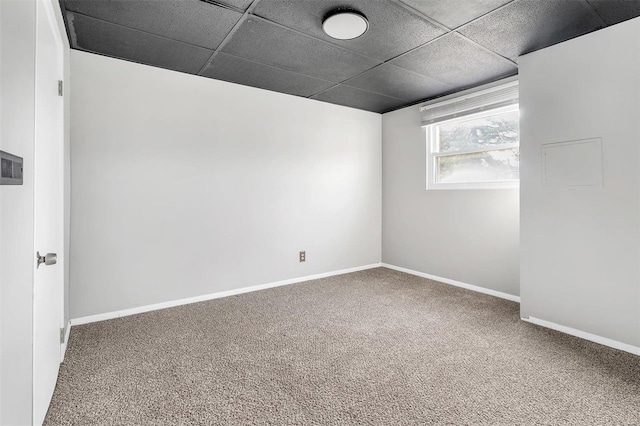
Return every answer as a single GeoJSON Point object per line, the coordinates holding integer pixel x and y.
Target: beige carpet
{"type": "Point", "coordinates": [376, 347]}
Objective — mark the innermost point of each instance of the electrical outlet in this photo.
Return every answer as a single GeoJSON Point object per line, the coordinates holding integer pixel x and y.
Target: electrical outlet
{"type": "Point", "coordinates": [303, 256]}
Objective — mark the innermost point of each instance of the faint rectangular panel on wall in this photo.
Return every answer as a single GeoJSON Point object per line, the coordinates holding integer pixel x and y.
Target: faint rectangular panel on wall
{"type": "Point", "coordinates": [573, 164]}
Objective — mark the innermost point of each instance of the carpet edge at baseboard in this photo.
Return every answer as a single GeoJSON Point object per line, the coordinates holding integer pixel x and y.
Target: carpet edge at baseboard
{"type": "Point", "coordinates": [471, 287]}
{"type": "Point", "coordinates": [217, 295]}
{"type": "Point", "coordinates": [605, 341]}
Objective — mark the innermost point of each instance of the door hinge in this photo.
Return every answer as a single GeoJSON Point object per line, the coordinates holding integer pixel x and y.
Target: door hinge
{"type": "Point", "coordinates": [62, 333]}
{"type": "Point", "coordinates": [60, 88]}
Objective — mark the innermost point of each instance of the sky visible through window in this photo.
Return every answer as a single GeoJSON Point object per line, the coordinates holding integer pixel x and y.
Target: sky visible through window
{"type": "Point", "coordinates": [492, 135]}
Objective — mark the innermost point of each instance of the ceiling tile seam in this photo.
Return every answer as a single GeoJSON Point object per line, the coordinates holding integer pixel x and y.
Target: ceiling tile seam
{"type": "Point", "coordinates": [346, 82]}
{"type": "Point", "coordinates": [592, 10]}
{"type": "Point", "coordinates": [224, 41]}
{"type": "Point", "coordinates": [360, 90]}
{"type": "Point", "coordinates": [365, 56]}
{"type": "Point", "coordinates": [372, 91]}
{"type": "Point", "coordinates": [342, 83]}
{"type": "Point", "coordinates": [235, 55]}
{"type": "Point", "coordinates": [239, 23]}
{"type": "Point", "coordinates": [276, 68]}
{"type": "Point", "coordinates": [248, 12]}
{"type": "Point", "coordinates": [388, 61]}
{"type": "Point", "coordinates": [493, 52]}
{"type": "Point", "coordinates": [412, 11]}
{"type": "Point", "coordinates": [416, 12]}
{"type": "Point", "coordinates": [457, 31]}
{"type": "Point", "coordinates": [324, 90]}
{"type": "Point", "coordinates": [250, 60]}
{"type": "Point", "coordinates": [93, 52]}
{"type": "Point", "coordinates": [362, 55]}
{"type": "Point", "coordinates": [228, 37]}
{"type": "Point", "coordinates": [405, 69]}
{"type": "Point", "coordinates": [335, 84]}
{"type": "Point", "coordinates": [139, 30]}
{"type": "Point", "coordinates": [461, 27]}
{"type": "Point", "coordinates": [224, 6]}
{"type": "Point", "coordinates": [397, 66]}
{"type": "Point", "coordinates": [491, 12]}
{"type": "Point", "coordinates": [413, 49]}
{"type": "Point", "coordinates": [421, 15]}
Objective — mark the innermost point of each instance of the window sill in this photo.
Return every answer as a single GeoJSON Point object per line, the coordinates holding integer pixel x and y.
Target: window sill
{"type": "Point", "coordinates": [478, 185]}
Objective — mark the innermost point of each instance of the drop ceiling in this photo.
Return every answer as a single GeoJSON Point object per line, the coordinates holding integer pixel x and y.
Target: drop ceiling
{"type": "Point", "coordinates": [414, 50]}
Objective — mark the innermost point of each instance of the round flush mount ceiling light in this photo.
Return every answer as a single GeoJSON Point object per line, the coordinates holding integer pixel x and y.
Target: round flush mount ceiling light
{"type": "Point", "coordinates": [345, 25]}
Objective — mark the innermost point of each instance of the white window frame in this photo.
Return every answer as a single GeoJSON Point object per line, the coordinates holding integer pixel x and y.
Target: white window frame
{"type": "Point", "coordinates": [433, 155]}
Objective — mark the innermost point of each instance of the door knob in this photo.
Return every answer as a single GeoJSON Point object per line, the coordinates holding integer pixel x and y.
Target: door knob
{"type": "Point", "coordinates": [47, 259]}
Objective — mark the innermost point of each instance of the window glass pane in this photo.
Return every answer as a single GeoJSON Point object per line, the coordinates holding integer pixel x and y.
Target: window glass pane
{"type": "Point", "coordinates": [479, 133]}
{"type": "Point", "coordinates": [488, 166]}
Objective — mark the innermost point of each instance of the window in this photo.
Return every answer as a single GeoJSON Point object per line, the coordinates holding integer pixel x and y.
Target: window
{"type": "Point", "coordinates": [476, 147]}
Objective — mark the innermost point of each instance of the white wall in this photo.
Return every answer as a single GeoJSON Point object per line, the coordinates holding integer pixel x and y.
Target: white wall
{"type": "Point", "coordinates": [17, 38]}
{"type": "Point", "coordinates": [470, 236]}
{"type": "Point", "coordinates": [581, 249]}
{"type": "Point", "coordinates": [1, 222]}
{"type": "Point", "coordinates": [184, 186]}
{"type": "Point", "coordinates": [67, 151]}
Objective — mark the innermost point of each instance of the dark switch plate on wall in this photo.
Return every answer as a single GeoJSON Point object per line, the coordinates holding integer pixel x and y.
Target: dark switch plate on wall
{"type": "Point", "coordinates": [11, 169]}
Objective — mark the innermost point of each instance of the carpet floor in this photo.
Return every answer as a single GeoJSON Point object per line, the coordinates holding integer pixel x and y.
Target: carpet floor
{"type": "Point", "coordinates": [376, 347]}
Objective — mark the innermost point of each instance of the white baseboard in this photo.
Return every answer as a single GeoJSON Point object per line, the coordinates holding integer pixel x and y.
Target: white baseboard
{"type": "Point", "coordinates": [63, 346]}
{"type": "Point", "coordinates": [568, 330]}
{"type": "Point", "coordinates": [218, 295]}
{"type": "Point", "coordinates": [141, 309]}
{"type": "Point", "coordinates": [584, 335]}
{"type": "Point", "coordinates": [455, 283]}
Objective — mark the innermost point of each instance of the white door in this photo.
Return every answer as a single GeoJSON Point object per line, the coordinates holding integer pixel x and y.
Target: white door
{"type": "Point", "coordinates": [48, 302]}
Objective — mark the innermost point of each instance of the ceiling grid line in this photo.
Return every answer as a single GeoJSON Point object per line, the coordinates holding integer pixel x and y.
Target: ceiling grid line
{"type": "Point", "coordinates": [312, 37]}
{"type": "Point", "coordinates": [228, 36]}
{"type": "Point", "coordinates": [381, 64]}
{"type": "Point", "coordinates": [140, 31]}
{"type": "Point", "coordinates": [485, 48]}
{"type": "Point", "coordinates": [411, 10]}
{"type": "Point", "coordinates": [271, 66]}
{"type": "Point", "coordinates": [225, 6]}
{"type": "Point", "coordinates": [221, 45]}
{"type": "Point", "coordinates": [359, 53]}
{"type": "Point", "coordinates": [420, 15]}
{"type": "Point", "coordinates": [414, 51]}
{"type": "Point", "coordinates": [594, 12]}
{"type": "Point", "coordinates": [496, 10]}
{"type": "Point", "coordinates": [249, 12]}
{"type": "Point", "coordinates": [338, 83]}
{"type": "Point", "coordinates": [392, 59]}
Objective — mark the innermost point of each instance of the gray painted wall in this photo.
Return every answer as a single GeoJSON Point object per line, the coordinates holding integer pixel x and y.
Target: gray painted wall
{"type": "Point", "coordinates": [581, 249]}
{"type": "Point", "coordinates": [470, 236]}
{"type": "Point", "coordinates": [184, 186]}
{"type": "Point", "coordinates": [17, 48]}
